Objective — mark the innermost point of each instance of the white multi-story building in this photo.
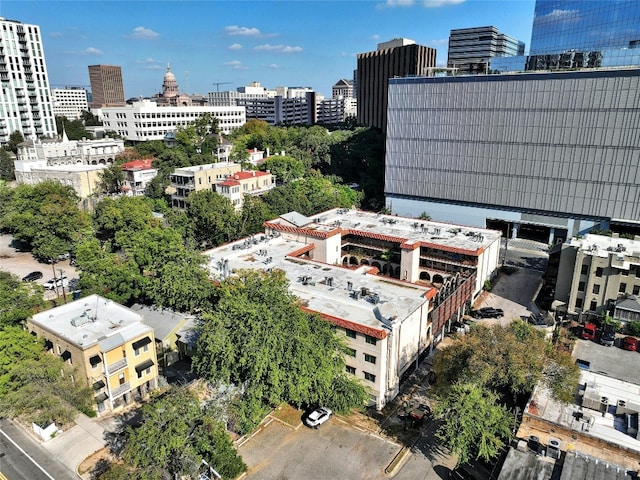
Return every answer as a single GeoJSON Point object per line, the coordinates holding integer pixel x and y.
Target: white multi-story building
{"type": "Point", "coordinates": [146, 120]}
{"type": "Point", "coordinates": [236, 186]}
{"type": "Point", "coordinates": [69, 102]}
{"type": "Point", "coordinates": [137, 175]}
{"type": "Point", "coordinates": [25, 102]}
{"type": "Point", "coordinates": [391, 312]}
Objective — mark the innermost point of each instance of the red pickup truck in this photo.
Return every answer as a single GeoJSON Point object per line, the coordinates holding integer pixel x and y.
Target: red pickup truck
{"type": "Point", "coordinates": [589, 331]}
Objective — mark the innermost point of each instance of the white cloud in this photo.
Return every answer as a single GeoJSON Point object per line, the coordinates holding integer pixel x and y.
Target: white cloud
{"type": "Point", "coordinates": [277, 48]}
{"type": "Point", "coordinates": [235, 46]}
{"type": "Point", "coordinates": [245, 31]}
{"type": "Point", "coordinates": [236, 65]}
{"type": "Point", "coordinates": [91, 51]}
{"type": "Point", "coordinates": [399, 3]}
{"type": "Point", "coordinates": [557, 13]}
{"type": "Point", "coordinates": [375, 37]}
{"type": "Point", "coordinates": [273, 66]}
{"type": "Point", "coordinates": [440, 3]}
{"type": "Point", "coordinates": [142, 33]}
{"type": "Point", "coordinates": [56, 34]}
{"type": "Point", "coordinates": [438, 42]}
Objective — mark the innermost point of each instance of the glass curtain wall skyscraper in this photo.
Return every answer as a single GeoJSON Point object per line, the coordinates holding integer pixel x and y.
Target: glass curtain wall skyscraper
{"type": "Point", "coordinates": [585, 34]}
{"type": "Point", "coordinates": [574, 34]}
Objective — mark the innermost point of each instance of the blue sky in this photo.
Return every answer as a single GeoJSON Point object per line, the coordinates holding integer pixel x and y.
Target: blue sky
{"type": "Point", "coordinates": [277, 43]}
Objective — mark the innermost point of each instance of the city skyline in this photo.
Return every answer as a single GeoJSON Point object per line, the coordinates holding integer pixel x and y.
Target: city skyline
{"type": "Point", "coordinates": [276, 43]}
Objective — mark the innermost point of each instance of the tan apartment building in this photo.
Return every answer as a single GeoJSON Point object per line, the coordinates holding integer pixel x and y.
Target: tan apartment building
{"type": "Point", "coordinates": [595, 271]}
{"type": "Point", "coordinates": [185, 180]}
{"type": "Point", "coordinates": [112, 348]}
{"type": "Point", "coordinates": [236, 186]}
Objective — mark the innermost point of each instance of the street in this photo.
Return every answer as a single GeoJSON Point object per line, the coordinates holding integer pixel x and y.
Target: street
{"type": "Point", "coordinates": [21, 458]}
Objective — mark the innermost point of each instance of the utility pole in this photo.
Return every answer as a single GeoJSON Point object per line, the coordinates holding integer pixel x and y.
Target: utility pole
{"type": "Point", "coordinates": [64, 295]}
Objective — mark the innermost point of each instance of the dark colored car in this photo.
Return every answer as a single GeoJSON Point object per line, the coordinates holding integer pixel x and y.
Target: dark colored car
{"type": "Point", "coordinates": [32, 277]}
{"type": "Point", "coordinates": [608, 336]}
{"type": "Point", "coordinates": [630, 343]}
{"type": "Point", "coordinates": [487, 312]}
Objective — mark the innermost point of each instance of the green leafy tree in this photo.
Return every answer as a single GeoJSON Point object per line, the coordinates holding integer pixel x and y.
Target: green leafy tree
{"type": "Point", "coordinates": [7, 169]}
{"type": "Point", "coordinates": [18, 300]}
{"type": "Point", "coordinates": [213, 218]}
{"type": "Point", "coordinates": [284, 167]}
{"type": "Point", "coordinates": [256, 336]}
{"type": "Point", "coordinates": [193, 136]}
{"type": "Point", "coordinates": [15, 138]}
{"type": "Point", "coordinates": [252, 216]}
{"type": "Point", "coordinates": [174, 436]}
{"type": "Point", "coordinates": [473, 424]}
{"type": "Point", "coordinates": [46, 217]}
{"type": "Point", "coordinates": [111, 178]}
{"type": "Point", "coordinates": [125, 214]}
{"type": "Point", "coordinates": [89, 119]}
{"type": "Point", "coordinates": [74, 128]}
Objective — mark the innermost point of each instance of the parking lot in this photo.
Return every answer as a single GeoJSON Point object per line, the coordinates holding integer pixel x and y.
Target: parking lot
{"type": "Point", "coordinates": [23, 263]}
{"type": "Point", "coordinates": [335, 450]}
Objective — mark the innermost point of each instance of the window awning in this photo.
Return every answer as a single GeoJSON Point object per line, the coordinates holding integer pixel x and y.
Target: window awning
{"type": "Point", "coordinates": [101, 397]}
{"type": "Point", "coordinates": [66, 355]}
{"type": "Point", "coordinates": [141, 343]}
{"type": "Point", "coordinates": [144, 365]}
{"type": "Point", "coordinates": [95, 360]}
{"type": "Point", "coordinates": [98, 385]}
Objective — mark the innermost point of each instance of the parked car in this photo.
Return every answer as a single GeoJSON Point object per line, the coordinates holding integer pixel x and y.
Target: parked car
{"type": "Point", "coordinates": [52, 283]}
{"type": "Point", "coordinates": [487, 312]}
{"type": "Point", "coordinates": [318, 417]}
{"type": "Point", "coordinates": [589, 331]}
{"type": "Point", "coordinates": [630, 343]}
{"type": "Point", "coordinates": [32, 277]}
{"type": "Point", "coordinates": [608, 336]}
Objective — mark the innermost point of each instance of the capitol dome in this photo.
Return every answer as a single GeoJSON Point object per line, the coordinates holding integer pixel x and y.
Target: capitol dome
{"type": "Point", "coordinates": [169, 84]}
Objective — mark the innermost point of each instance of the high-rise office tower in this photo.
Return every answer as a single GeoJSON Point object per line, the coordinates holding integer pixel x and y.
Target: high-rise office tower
{"type": "Point", "coordinates": [400, 57]}
{"type": "Point", "coordinates": [574, 34]}
{"type": "Point", "coordinates": [585, 34]}
{"type": "Point", "coordinates": [471, 49]}
{"type": "Point", "coordinates": [25, 104]}
{"type": "Point", "coordinates": [107, 89]}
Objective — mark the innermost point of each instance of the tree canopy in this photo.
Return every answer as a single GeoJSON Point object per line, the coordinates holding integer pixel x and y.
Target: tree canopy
{"type": "Point", "coordinates": [487, 372]}
{"type": "Point", "coordinates": [258, 338]}
{"type": "Point", "coordinates": [18, 300]}
{"type": "Point", "coordinates": [174, 436]}
{"type": "Point", "coordinates": [46, 217]}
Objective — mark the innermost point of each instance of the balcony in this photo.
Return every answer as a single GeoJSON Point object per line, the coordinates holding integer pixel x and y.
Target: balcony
{"type": "Point", "coordinates": [121, 390]}
{"type": "Point", "coordinates": [119, 365]}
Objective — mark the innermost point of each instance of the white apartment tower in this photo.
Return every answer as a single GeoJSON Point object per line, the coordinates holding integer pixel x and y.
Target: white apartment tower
{"type": "Point", "coordinates": [25, 104]}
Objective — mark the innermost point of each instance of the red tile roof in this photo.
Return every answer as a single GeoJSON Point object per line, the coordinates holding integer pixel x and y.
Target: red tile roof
{"type": "Point", "coordinates": [357, 327]}
{"type": "Point", "coordinates": [141, 164]}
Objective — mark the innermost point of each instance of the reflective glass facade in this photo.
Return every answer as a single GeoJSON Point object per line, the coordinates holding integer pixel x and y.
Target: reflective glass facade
{"type": "Point", "coordinates": [585, 34]}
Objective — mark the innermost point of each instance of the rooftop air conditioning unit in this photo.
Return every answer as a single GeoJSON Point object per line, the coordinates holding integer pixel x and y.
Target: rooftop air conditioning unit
{"type": "Point", "coordinates": [553, 448]}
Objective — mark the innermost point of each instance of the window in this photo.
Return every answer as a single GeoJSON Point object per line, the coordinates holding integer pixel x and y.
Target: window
{"type": "Point", "coordinates": [351, 352]}
{"type": "Point", "coordinates": [369, 376]}
{"type": "Point", "coordinates": [584, 270]}
{"type": "Point", "coordinates": [350, 333]}
{"type": "Point", "coordinates": [581, 287]}
{"type": "Point", "coordinates": [623, 288]}
{"type": "Point", "coordinates": [371, 340]}
{"type": "Point", "coordinates": [599, 272]}
{"type": "Point", "coordinates": [578, 303]}
{"type": "Point", "coordinates": [369, 358]}
{"type": "Point", "coordinates": [350, 370]}
{"type": "Point", "coordinates": [596, 289]}
{"type": "Point", "coordinates": [138, 351]}
{"type": "Point", "coordinates": [593, 305]}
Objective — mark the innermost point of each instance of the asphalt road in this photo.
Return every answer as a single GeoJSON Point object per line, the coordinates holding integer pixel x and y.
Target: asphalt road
{"type": "Point", "coordinates": [23, 459]}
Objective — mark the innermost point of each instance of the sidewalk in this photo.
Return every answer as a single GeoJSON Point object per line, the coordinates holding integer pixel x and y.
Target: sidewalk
{"type": "Point", "coordinates": [73, 446]}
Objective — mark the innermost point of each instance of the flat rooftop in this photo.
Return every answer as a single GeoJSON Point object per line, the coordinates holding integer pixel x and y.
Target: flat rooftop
{"type": "Point", "coordinates": [91, 319]}
{"type": "Point", "coordinates": [612, 362]}
{"type": "Point", "coordinates": [603, 246]}
{"type": "Point", "coordinates": [326, 289]}
{"type": "Point", "coordinates": [411, 230]}
{"type": "Point", "coordinates": [208, 166]}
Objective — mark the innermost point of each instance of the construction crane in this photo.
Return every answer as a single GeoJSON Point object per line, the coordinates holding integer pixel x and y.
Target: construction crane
{"type": "Point", "coordinates": [217, 84]}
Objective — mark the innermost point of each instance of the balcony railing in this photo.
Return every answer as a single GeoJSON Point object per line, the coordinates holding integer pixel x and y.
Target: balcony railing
{"type": "Point", "coordinates": [121, 390]}
{"type": "Point", "coordinates": [119, 365]}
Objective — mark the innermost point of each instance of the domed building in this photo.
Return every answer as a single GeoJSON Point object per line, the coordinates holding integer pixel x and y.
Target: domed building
{"type": "Point", "coordinates": [170, 92]}
{"type": "Point", "coordinates": [169, 84]}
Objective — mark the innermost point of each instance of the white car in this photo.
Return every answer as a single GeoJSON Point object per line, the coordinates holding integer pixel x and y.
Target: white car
{"type": "Point", "coordinates": [318, 417]}
{"type": "Point", "coordinates": [52, 283]}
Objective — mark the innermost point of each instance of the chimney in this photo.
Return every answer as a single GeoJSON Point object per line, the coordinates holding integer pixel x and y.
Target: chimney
{"type": "Point", "coordinates": [255, 150]}
{"type": "Point", "coordinates": [254, 173]}
{"type": "Point", "coordinates": [267, 151]}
